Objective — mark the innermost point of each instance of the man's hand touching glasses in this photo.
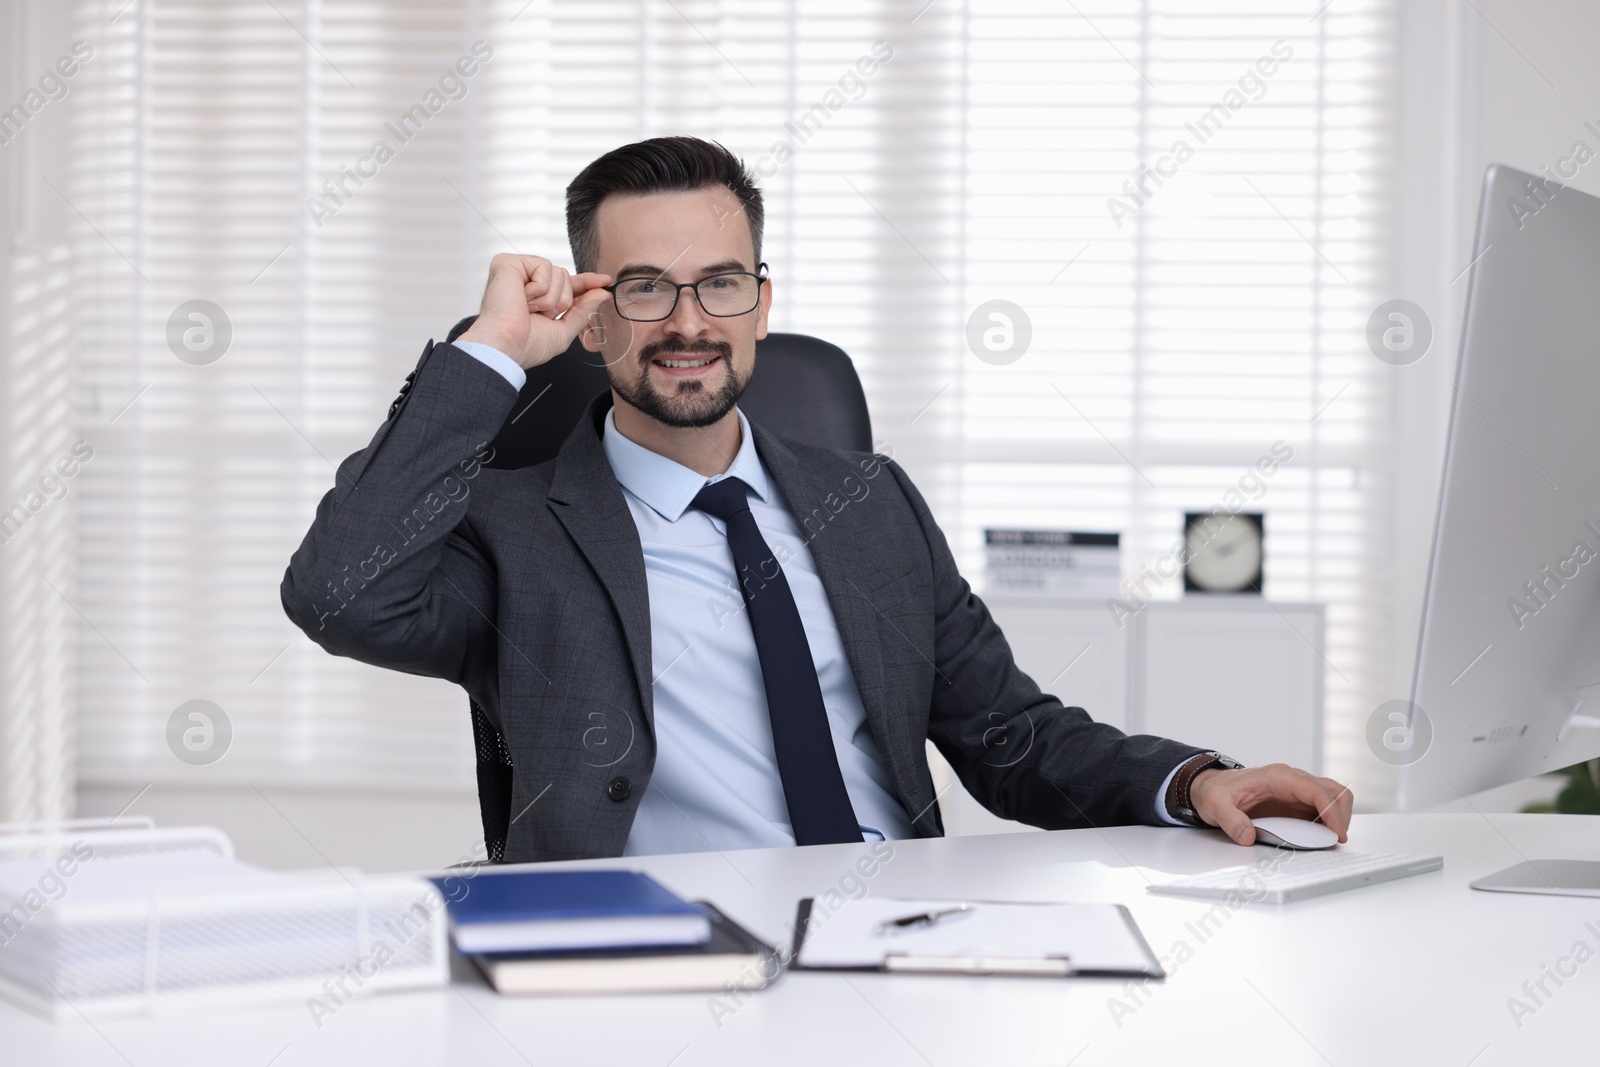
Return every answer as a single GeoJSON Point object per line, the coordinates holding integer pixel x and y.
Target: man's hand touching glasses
{"type": "Point", "coordinates": [532, 310]}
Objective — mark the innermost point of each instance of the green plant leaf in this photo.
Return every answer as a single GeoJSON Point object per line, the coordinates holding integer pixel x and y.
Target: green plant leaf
{"type": "Point", "coordinates": [1580, 795]}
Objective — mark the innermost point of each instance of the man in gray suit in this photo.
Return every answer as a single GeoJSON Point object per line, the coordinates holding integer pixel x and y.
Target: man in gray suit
{"type": "Point", "coordinates": [677, 661]}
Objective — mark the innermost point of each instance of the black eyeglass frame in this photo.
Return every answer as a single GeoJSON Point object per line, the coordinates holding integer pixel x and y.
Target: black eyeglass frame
{"type": "Point", "coordinates": [678, 287]}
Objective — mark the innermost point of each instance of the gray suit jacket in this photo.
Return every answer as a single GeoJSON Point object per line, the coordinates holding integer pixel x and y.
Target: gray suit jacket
{"type": "Point", "coordinates": [527, 588]}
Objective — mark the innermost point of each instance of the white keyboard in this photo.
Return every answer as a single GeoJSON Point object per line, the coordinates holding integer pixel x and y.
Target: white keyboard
{"type": "Point", "coordinates": [1291, 876]}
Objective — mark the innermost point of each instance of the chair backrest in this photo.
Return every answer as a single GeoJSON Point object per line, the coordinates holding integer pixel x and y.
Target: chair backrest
{"type": "Point", "coordinates": [803, 389]}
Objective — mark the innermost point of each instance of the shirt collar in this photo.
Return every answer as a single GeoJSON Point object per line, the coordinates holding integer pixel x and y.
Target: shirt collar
{"type": "Point", "coordinates": [666, 485]}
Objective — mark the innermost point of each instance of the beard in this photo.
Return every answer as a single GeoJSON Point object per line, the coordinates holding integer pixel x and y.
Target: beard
{"type": "Point", "coordinates": [690, 405]}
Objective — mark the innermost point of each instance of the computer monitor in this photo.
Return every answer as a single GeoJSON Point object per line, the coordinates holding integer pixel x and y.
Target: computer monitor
{"type": "Point", "coordinates": [1508, 667]}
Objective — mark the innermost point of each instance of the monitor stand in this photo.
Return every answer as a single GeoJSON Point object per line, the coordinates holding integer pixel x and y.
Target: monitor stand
{"type": "Point", "coordinates": [1562, 878]}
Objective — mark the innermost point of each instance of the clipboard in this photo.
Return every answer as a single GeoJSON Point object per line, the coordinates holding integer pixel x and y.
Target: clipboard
{"type": "Point", "coordinates": [1112, 946]}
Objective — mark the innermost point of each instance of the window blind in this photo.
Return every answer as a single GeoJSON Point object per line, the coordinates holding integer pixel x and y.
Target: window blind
{"type": "Point", "coordinates": [42, 488]}
{"type": "Point", "coordinates": [1187, 202]}
{"type": "Point", "coordinates": [203, 149]}
{"type": "Point", "coordinates": [918, 161]}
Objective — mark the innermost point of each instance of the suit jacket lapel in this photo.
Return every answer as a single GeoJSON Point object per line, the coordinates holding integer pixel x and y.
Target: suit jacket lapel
{"type": "Point", "coordinates": [848, 579]}
{"type": "Point", "coordinates": [588, 502]}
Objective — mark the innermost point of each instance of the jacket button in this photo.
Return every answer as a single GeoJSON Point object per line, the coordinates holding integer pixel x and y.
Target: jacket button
{"type": "Point", "coordinates": [619, 789]}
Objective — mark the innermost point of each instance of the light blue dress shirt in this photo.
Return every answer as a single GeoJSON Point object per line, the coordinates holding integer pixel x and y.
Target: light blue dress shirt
{"type": "Point", "coordinates": [716, 783]}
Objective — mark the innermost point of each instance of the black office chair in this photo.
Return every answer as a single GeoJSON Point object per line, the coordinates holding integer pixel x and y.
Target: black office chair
{"type": "Point", "coordinates": [803, 389]}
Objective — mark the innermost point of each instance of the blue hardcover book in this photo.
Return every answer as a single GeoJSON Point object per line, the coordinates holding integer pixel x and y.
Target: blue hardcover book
{"type": "Point", "coordinates": [541, 911]}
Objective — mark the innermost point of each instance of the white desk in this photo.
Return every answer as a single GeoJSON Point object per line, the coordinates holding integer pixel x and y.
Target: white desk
{"type": "Point", "coordinates": [1413, 972]}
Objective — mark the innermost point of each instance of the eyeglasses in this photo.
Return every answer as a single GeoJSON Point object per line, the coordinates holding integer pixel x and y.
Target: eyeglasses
{"type": "Point", "coordinates": [724, 296]}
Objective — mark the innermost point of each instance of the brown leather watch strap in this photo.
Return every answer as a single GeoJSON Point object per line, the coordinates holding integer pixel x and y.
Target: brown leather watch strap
{"type": "Point", "coordinates": [1177, 799]}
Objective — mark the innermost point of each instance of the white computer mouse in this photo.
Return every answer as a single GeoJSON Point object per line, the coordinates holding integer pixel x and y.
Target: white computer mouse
{"type": "Point", "coordinates": [1293, 833]}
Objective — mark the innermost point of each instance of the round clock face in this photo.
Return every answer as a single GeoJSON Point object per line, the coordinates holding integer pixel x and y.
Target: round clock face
{"type": "Point", "coordinates": [1224, 557]}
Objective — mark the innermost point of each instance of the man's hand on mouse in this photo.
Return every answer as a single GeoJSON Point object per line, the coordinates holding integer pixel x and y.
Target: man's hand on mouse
{"type": "Point", "coordinates": [533, 310]}
{"type": "Point", "coordinates": [1231, 798]}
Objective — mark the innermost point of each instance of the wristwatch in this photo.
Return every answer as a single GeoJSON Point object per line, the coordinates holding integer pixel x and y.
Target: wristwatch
{"type": "Point", "coordinates": [1178, 803]}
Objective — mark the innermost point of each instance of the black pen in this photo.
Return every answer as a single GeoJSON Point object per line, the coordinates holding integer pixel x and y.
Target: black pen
{"type": "Point", "coordinates": [926, 918]}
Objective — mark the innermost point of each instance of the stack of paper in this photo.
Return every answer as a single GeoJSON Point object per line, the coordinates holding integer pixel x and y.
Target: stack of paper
{"type": "Point", "coordinates": [102, 920]}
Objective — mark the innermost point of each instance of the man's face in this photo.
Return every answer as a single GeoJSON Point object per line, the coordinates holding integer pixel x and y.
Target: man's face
{"type": "Point", "coordinates": [677, 238]}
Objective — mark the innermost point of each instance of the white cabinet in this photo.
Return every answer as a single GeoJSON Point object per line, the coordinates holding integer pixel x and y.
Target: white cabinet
{"type": "Point", "coordinates": [1073, 649]}
{"type": "Point", "coordinates": [1231, 673]}
{"type": "Point", "coordinates": [1234, 673]}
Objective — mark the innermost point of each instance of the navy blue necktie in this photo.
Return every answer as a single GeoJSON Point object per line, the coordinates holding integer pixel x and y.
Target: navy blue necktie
{"type": "Point", "coordinates": [813, 787]}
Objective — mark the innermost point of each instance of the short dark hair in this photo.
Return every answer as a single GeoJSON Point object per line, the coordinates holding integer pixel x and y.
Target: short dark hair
{"type": "Point", "coordinates": [659, 165]}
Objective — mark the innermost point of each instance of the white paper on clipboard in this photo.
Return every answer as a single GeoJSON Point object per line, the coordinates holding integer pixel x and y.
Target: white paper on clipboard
{"type": "Point", "coordinates": [1097, 939]}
